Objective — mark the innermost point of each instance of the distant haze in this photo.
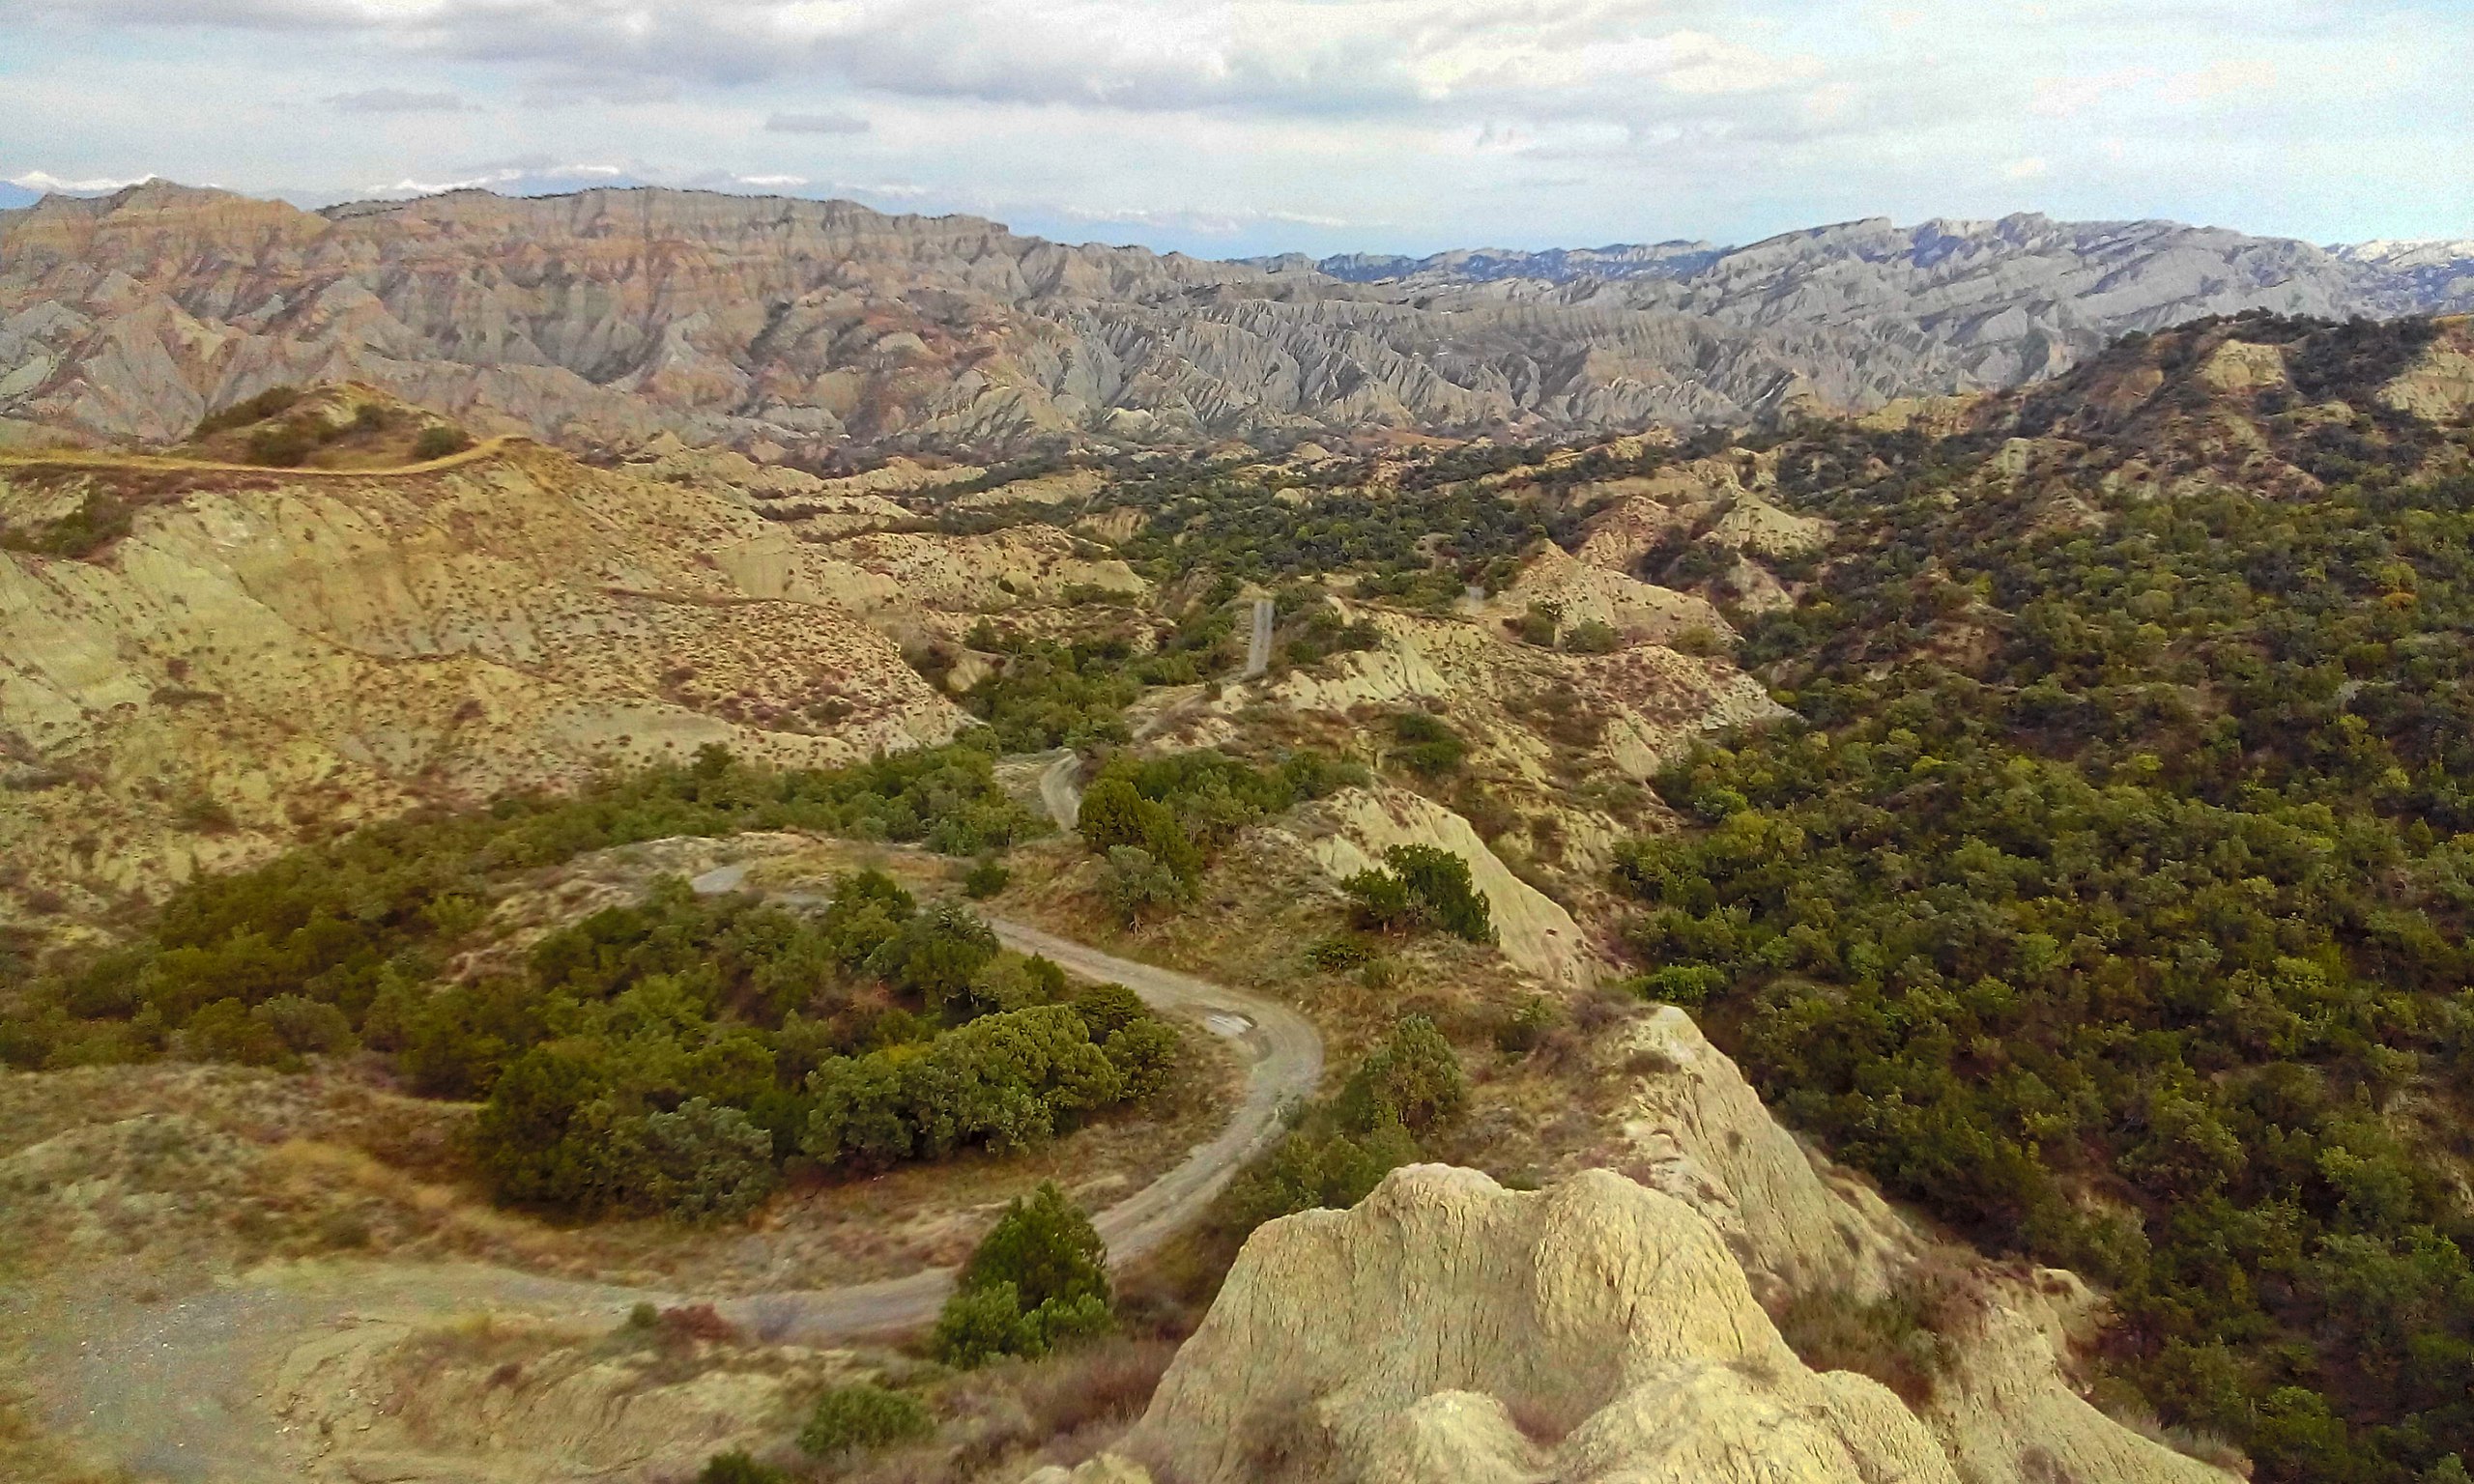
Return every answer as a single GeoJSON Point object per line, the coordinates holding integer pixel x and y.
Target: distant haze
{"type": "Point", "coordinates": [1253, 127]}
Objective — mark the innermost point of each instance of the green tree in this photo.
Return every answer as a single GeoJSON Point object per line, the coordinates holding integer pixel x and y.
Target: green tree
{"type": "Point", "coordinates": [1413, 1080]}
{"type": "Point", "coordinates": [1038, 1278]}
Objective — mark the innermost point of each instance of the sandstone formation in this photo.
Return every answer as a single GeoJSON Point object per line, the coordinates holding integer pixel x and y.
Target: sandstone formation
{"type": "Point", "coordinates": [1349, 832]}
{"type": "Point", "coordinates": [267, 649]}
{"type": "Point", "coordinates": [610, 317]}
{"type": "Point", "coordinates": [1448, 1331]}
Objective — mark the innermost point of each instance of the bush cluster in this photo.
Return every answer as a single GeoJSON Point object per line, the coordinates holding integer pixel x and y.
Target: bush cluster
{"type": "Point", "coordinates": [1420, 887]}
{"type": "Point", "coordinates": [1039, 1279]}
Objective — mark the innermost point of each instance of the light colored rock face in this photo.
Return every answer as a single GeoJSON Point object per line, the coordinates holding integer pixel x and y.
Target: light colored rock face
{"type": "Point", "coordinates": [2440, 384]}
{"type": "Point", "coordinates": [1536, 934]}
{"type": "Point", "coordinates": [305, 648]}
{"type": "Point", "coordinates": [1449, 1330]}
{"type": "Point", "coordinates": [1584, 592]}
{"type": "Point", "coordinates": [609, 317]}
{"type": "Point", "coordinates": [2005, 1412]}
{"type": "Point", "coordinates": [1699, 1133]}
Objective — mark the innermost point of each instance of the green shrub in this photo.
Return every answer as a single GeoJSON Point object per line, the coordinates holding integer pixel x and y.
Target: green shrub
{"type": "Point", "coordinates": [738, 1468]}
{"type": "Point", "coordinates": [438, 440]}
{"type": "Point", "coordinates": [1307, 1170]}
{"type": "Point", "coordinates": [1537, 626]}
{"type": "Point", "coordinates": [1038, 1279]}
{"type": "Point", "coordinates": [1526, 1027]}
{"type": "Point", "coordinates": [1004, 1081]}
{"type": "Point", "coordinates": [863, 1416]}
{"type": "Point", "coordinates": [1413, 1080]}
{"type": "Point", "coordinates": [1135, 883]}
{"type": "Point", "coordinates": [986, 878]}
{"type": "Point", "coordinates": [1425, 745]}
{"type": "Point", "coordinates": [1421, 886]}
{"type": "Point", "coordinates": [306, 1026]}
{"type": "Point", "coordinates": [1686, 985]}
{"type": "Point", "coordinates": [1108, 1009]}
{"type": "Point", "coordinates": [269, 402]}
{"type": "Point", "coordinates": [281, 446]}
{"type": "Point", "coordinates": [1593, 637]}
{"type": "Point", "coordinates": [1148, 1055]}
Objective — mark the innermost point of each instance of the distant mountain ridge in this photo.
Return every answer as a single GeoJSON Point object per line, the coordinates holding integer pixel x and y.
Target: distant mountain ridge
{"type": "Point", "coordinates": [608, 317]}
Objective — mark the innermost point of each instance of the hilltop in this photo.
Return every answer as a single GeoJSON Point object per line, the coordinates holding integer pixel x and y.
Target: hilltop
{"type": "Point", "coordinates": [824, 328]}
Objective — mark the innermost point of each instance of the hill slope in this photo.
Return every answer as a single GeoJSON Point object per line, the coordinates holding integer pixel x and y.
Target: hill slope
{"type": "Point", "coordinates": [613, 315]}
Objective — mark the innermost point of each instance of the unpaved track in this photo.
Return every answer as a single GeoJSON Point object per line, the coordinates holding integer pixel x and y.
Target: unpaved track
{"type": "Point", "coordinates": [75, 459]}
{"type": "Point", "coordinates": [177, 1388]}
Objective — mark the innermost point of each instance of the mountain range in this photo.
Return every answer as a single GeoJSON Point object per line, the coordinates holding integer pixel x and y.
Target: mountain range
{"type": "Point", "coordinates": [813, 328]}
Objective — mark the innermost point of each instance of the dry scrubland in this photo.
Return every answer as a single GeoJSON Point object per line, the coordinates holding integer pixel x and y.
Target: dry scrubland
{"type": "Point", "coordinates": [208, 666]}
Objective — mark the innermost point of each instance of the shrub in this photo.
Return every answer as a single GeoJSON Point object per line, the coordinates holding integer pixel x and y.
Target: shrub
{"type": "Point", "coordinates": [1108, 1009]}
{"type": "Point", "coordinates": [306, 1026]}
{"type": "Point", "coordinates": [1421, 886]}
{"type": "Point", "coordinates": [438, 440]}
{"type": "Point", "coordinates": [986, 878]}
{"type": "Point", "coordinates": [858, 1417]}
{"type": "Point", "coordinates": [1004, 1080]}
{"type": "Point", "coordinates": [1307, 1170]}
{"type": "Point", "coordinates": [1339, 954]}
{"type": "Point", "coordinates": [1535, 626]}
{"type": "Point", "coordinates": [736, 1467]}
{"type": "Point", "coordinates": [1425, 745]}
{"type": "Point", "coordinates": [1526, 1026]}
{"type": "Point", "coordinates": [702, 1161]}
{"type": "Point", "coordinates": [1147, 1056]}
{"type": "Point", "coordinates": [1686, 985]}
{"type": "Point", "coordinates": [1135, 883]}
{"type": "Point", "coordinates": [266, 404]}
{"type": "Point", "coordinates": [281, 446]}
{"type": "Point", "coordinates": [1038, 1278]}
{"type": "Point", "coordinates": [1414, 1080]}
{"type": "Point", "coordinates": [1593, 637]}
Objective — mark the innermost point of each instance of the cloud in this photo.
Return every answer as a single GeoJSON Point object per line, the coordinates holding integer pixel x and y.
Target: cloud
{"type": "Point", "coordinates": [816, 124]}
{"type": "Point", "coordinates": [396, 100]}
{"type": "Point", "coordinates": [45, 181]}
{"type": "Point", "coordinates": [2027, 169]}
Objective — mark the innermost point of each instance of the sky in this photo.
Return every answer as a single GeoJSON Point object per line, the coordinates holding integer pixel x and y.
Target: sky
{"type": "Point", "coordinates": [1240, 127]}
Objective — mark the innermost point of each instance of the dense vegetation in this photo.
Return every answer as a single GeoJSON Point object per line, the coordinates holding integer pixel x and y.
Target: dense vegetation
{"type": "Point", "coordinates": [2110, 897]}
{"type": "Point", "coordinates": [664, 1056]}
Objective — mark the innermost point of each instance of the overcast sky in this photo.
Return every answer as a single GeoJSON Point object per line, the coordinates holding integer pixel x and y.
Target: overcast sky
{"type": "Point", "coordinates": [1268, 125]}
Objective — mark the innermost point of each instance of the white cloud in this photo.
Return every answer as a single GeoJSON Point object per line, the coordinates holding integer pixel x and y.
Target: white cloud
{"type": "Point", "coordinates": [46, 181]}
{"type": "Point", "coordinates": [2027, 169]}
{"type": "Point", "coordinates": [397, 100]}
{"type": "Point", "coordinates": [816, 124]}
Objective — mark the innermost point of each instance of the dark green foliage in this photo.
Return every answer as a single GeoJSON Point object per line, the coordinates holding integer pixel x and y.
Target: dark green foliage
{"type": "Point", "coordinates": [1537, 626]}
{"type": "Point", "coordinates": [281, 446]}
{"type": "Point", "coordinates": [1135, 884]}
{"type": "Point", "coordinates": [334, 923]}
{"type": "Point", "coordinates": [1039, 1279]}
{"type": "Point", "coordinates": [438, 440]}
{"type": "Point", "coordinates": [1593, 637]}
{"type": "Point", "coordinates": [1413, 1080]}
{"type": "Point", "coordinates": [1526, 1027]}
{"type": "Point", "coordinates": [100, 520]}
{"type": "Point", "coordinates": [1425, 745]}
{"type": "Point", "coordinates": [1176, 811]}
{"type": "Point", "coordinates": [269, 402]}
{"type": "Point", "coordinates": [986, 878]}
{"type": "Point", "coordinates": [737, 1467]}
{"type": "Point", "coordinates": [858, 1417]}
{"type": "Point", "coordinates": [1052, 695]}
{"type": "Point", "coordinates": [1313, 1168]}
{"type": "Point", "coordinates": [2126, 940]}
{"type": "Point", "coordinates": [1006, 1081]}
{"type": "Point", "coordinates": [932, 956]}
{"type": "Point", "coordinates": [1420, 887]}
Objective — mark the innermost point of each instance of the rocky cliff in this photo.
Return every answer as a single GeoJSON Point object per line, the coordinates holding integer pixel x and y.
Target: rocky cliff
{"type": "Point", "coordinates": [1448, 1331]}
{"type": "Point", "coordinates": [612, 316]}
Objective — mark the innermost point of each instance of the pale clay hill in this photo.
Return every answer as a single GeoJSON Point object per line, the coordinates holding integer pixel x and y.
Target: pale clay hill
{"type": "Point", "coordinates": [269, 648]}
{"type": "Point", "coordinates": [612, 316]}
{"type": "Point", "coordinates": [1610, 1329]}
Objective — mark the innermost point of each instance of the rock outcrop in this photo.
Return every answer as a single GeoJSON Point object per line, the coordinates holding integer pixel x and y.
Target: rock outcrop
{"type": "Point", "coordinates": [1448, 1331]}
{"type": "Point", "coordinates": [610, 317]}
{"type": "Point", "coordinates": [1536, 935]}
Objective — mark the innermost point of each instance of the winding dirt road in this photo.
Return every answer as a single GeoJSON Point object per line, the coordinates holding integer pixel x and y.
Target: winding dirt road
{"type": "Point", "coordinates": [181, 1390]}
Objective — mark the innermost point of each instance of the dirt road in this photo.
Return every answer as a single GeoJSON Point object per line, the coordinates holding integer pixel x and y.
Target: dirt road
{"type": "Point", "coordinates": [180, 1388]}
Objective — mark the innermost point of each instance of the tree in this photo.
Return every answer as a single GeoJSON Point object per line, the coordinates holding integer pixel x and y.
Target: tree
{"type": "Point", "coordinates": [1112, 813]}
{"type": "Point", "coordinates": [1039, 1277]}
{"type": "Point", "coordinates": [1135, 882]}
{"type": "Point", "coordinates": [703, 1161]}
{"type": "Point", "coordinates": [1414, 1080]}
{"type": "Point", "coordinates": [1440, 883]}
